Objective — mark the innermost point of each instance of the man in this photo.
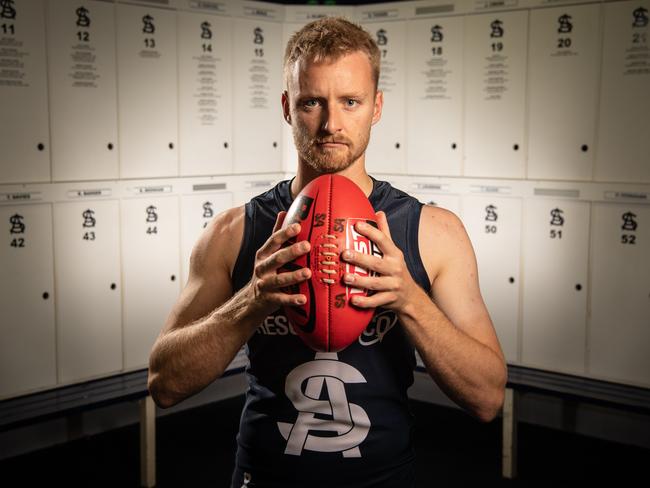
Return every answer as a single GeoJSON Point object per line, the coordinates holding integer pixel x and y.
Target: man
{"type": "Point", "coordinates": [331, 419]}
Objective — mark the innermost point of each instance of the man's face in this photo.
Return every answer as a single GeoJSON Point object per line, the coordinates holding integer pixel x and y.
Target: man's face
{"type": "Point", "coordinates": [332, 106]}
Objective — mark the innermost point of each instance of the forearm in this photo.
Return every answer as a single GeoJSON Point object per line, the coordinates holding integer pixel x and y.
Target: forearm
{"type": "Point", "coordinates": [187, 359]}
{"type": "Point", "coordinates": [469, 372]}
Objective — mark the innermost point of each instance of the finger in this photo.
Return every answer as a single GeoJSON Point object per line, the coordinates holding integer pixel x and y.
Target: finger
{"type": "Point", "coordinates": [288, 300]}
{"type": "Point", "coordinates": [277, 239]}
{"type": "Point", "coordinates": [375, 283]}
{"type": "Point", "coordinates": [279, 220]}
{"type": "Point", "coordinates": [282, 257]}
{"type": "Point", "coordinates": [285, 279]}
{"type": "Point", "coordinates": [382, 222]}
{"type": "Point", "coordinates": [374, 301]}
{"type": "Point", "coordinates": [365, 261]}
{"type": "Point", "coordinates": [375, 235]}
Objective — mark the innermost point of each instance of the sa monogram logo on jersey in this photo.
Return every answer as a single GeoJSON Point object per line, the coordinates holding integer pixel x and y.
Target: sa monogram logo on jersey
{"type": "Point", "coordinates": [348, 421]}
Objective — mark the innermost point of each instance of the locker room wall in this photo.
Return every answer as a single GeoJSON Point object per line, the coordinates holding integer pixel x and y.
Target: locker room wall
{"type": "Point", "coordinates": [127, 126]}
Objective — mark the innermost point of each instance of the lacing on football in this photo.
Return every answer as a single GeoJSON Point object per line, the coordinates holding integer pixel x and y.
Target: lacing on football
{"type": "Point", "coordinates": [328, 259]}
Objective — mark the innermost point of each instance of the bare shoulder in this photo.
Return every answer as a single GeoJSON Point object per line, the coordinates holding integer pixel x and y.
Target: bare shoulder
{"type": "Point", "coordinates": [218, 245]}
{"type": "Point", "coordinates": [442, 240]}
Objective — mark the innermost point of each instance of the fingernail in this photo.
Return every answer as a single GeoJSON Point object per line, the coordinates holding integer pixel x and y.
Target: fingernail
{"type": "Point", "coordinates": [347, 254]}
{"type": "Point", "coordinates": [294, 227]}
{"type": "Point", "coordinates": [300, 300]}
{"type": "Point", "coordinates": [349, 278]}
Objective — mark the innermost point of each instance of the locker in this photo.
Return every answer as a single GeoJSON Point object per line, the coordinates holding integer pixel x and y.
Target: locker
{"type": "Point", "coordinates": [434, 96]}
{"type": "Point", "coordinates": [147, 91]}
{"type": "Point", "coordinates": [24, 128]}
{"type": "Point", "coordinates": [197, 211]}
{"type": "Point", "coordinates": [386, 150]}
{"type": "Point", "coordinates": [87, 278]}
{"type": "Point", "coordinates": [624, 126]}
{"type": "Point", "coordinates": [495, 95]}
{"type": "Point", "coordinates": [27, 349]}
{"type": "Point", "coordinates": [563, 80]}
{"type": "Point", "coordinates": [205, 94]}
{"type": "Point", "coordinates": [555, 248]}
{"type": "Point", "coordinates": [257, 108]}
{"type": "Point", "coordinates": [150, 272]}
{"type": "Point", "coordinates": [82, 90]}
{"type": "Point", "coordinates": [619, 336]}
{"type": "Point", "coordinates": [494, 227]}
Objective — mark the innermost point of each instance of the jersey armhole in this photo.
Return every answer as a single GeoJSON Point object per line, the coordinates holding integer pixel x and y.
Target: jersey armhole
{"type": "Point", "coordinates": [243, 254]}
{"type": "Point", "coordinates": [414, 257]}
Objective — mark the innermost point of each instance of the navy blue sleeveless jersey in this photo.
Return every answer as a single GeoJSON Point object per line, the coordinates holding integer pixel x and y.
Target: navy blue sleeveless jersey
{"type": "Point", "coordinates": [328, 419]}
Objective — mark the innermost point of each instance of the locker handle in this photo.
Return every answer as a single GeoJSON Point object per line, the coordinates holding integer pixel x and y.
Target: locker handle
{"type": "Point", "coordinates": [113, 286]}
{"type": "Point", "coordinates": [40, 146]}
{"type": "Point", "coordinates": [578, 287]}
{"type": "Point", "coordinates": [173, 277]}
{"type": "Point", "coordinates": [46, 295]}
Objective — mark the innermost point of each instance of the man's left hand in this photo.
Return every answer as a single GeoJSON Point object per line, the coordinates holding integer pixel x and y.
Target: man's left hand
{"type": "Point", "coordinates": [394, 287]}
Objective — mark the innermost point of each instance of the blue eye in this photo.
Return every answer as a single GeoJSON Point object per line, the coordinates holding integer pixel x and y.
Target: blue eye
{"type": "Point", "coordinates": [351, 102]}
{"type": "Point", "coordinates": [310, 103]}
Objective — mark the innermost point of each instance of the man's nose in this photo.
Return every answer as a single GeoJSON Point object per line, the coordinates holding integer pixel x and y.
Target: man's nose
{"type": "Point", "coordinates": [332, 119]}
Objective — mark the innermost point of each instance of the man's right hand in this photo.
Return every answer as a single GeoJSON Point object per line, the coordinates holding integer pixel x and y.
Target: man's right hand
{"type": "Point", "coordinates": [267, 284]}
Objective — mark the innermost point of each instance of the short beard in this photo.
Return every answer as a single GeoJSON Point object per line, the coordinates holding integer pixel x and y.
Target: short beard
{"type": "Point", "coordinates": [321, 162]}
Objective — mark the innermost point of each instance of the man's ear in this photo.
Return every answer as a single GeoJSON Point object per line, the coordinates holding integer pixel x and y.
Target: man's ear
{"type": "Point", "coordinates": [379, 104]}
{"type": "Point", "coordinates": [285, 107]}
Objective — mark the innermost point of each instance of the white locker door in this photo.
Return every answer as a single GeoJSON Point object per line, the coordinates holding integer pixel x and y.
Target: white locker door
{"type": "Point", "coordinates": [434, 96]}
{"type": "Point", "coordinates": [563, 79]}
{"type": "Point", "coordinates": [619, 335]}
{"type": "Point", "coordinates": [24, 129]}
{"type": "Point", "coordinates": [623, 124]}
{"type": "Point", "coordinates": [257, 107]}
{"type": "Point", "coordinates": [27, 349]}
{"type": "Point", "coordinates": [495, 95]}
{"type": "Point", "coordinates": [289, 153]}
{"type": "Point", "coordinates": [556, 243]}
{"type": "Point", "coordinates": [150, 272]}
{"type": "Point", "coordinates": [87, 277]}
{"type": "Point", "coordinates": [494, 226]}
{"type": "Point", "coordinates": [386, 150]}
{"type": "Point", "coordinates": [147, 91]}
{"type": "Point", "coordinates": [205, 94]}
{"type": "Point", "coordinates": [196, 213]}
{"type": "Point", "coordinates": [83, 90]}
{"type": "Point", "coordinates": [443, 200]}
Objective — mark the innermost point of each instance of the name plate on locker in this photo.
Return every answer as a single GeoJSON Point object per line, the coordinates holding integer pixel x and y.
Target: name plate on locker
{"type": "Point", "coordinates": [379, 14]}
{"type": "Point", "coordinates": [486, 4]}
{"type": "Point", "coordinates": [258, 184]}
{"type": "Point", "coordinates": [210, 186]}
{"type": "Point", "coordinates": [151, 189]}
{"type": "Point", "coordinates": [557, 192]}
{"type": "Point", "coordinates": [21, 196]}
{"type": "Point", "coordinates": [430, 186]}
{"type": "Point", "coordinates": [626, 195]}
{"type": "Point", "coordinates": [260, 12]}
{"type": "Point", "coordinates": [492, 189]}
{"type": "Point", "coordinates": [204, 5]}
{"type": "Point", "coordinates": [99, 192]}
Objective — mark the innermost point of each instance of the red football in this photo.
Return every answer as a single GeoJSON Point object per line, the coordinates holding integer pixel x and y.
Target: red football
{"type": "Point", "coordinates": [327, 210]}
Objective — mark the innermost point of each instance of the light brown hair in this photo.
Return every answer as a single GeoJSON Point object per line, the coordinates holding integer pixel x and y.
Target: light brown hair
{"type": "Point", "coordinates": [329, 39]}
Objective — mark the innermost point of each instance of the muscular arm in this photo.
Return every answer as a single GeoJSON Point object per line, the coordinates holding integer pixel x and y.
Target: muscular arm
{"type": "Point", "coordinates": [208, 326]}
{"type": "Point", "coordinates": [451, 329]}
